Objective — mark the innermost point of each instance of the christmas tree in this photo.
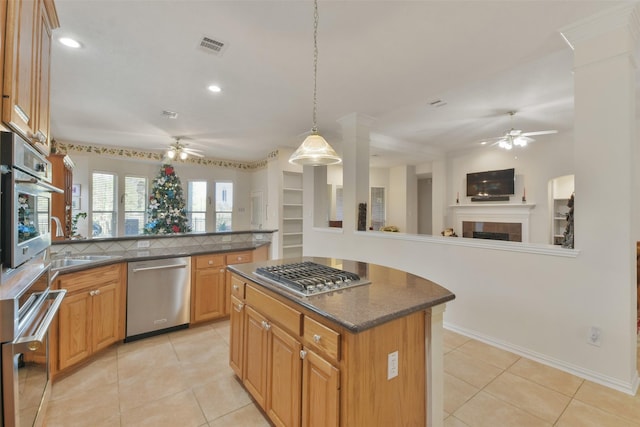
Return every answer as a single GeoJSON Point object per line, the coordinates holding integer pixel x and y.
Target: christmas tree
{"type": "Point", "coordinates": [166, 210]}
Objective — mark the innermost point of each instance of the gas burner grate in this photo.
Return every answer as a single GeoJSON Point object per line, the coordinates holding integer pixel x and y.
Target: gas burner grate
{"type": "Point", "coordinates": [308, 278]}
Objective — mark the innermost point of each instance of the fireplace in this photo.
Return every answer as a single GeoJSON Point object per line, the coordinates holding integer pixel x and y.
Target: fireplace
{"type": "Point", "coordinates": [507, 218]}
{"type": "Point", "coordinates": [492, 230]}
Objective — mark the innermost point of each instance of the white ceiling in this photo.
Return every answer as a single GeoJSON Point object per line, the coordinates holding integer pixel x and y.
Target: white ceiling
{"type": "Point", "coordinates": [385, 59]}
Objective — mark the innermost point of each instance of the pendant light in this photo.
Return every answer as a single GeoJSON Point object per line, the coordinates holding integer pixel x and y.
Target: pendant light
{"type": "Point", "coordinates": [315, 150]}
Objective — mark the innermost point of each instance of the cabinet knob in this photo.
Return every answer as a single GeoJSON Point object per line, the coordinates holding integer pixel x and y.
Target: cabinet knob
{"type": "Point", "coordinates": [236, 287]}
{"type": "Point", "coordinates": [92, 293]}
{"type": "Point", "coordinates": [210, 262]}
{"type": "Point", "coordinates": [239, 307]}
{"type": "Point", "coordinates": [316, 338]}
{"type": "Point", "coordinates": [266, 325]}
{"type": "Point", "coordinates": [303, 354]}
{"type": "Point", "coordinates": [222, 270]}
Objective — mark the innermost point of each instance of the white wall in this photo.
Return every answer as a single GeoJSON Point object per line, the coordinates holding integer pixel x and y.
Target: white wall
{"type": "Point", "coordinates": [550, 156]}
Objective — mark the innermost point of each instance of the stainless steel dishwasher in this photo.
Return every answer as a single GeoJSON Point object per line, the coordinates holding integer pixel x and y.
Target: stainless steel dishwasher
{"type": "Point", "coordinates": [158, 296]}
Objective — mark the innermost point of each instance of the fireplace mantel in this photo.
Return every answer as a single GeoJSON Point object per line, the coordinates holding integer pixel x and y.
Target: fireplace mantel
{"type": "Point", "coordinates": [494, 212]}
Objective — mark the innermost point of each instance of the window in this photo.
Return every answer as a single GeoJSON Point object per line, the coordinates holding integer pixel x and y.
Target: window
{"type": "Point", "coordinates": [197, 205]}
{"type": "Point", "coordinates": [135, 198]}
{"type": "Point", "coordinates": [224, 206]}
{"type": "Point", "coordinates": [103, 204]}
{"type": "Point", "coordinates": [377, 208]}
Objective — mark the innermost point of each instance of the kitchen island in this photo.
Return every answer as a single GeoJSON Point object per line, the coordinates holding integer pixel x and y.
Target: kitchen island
{"type": "Point", "coordinates": [370, 355]}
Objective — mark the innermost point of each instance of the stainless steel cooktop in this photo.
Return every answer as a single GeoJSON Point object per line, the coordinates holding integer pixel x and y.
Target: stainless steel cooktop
{"type": "Point", "coordinates": [308, 278]}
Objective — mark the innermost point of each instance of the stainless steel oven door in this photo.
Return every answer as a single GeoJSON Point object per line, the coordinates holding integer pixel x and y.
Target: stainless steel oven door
{"type": "Point", "coordinates": [30, 218]}
{"type": "Point", "coordinates": [25, 364]}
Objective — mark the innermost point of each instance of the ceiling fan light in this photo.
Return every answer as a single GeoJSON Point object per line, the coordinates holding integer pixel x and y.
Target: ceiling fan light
{"type": "Point", "coordinates": [314, 151]}
{"type": "Point", "coordinates": [183, 155]}
{"type": "Point", "coordinates": [171, 154]}
{"type": "Point", "coordinates": [520, 142]}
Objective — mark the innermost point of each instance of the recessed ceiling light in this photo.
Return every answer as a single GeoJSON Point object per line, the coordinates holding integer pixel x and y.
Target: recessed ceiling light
{"type": "Point", "coordinates": [214, 88]}
{"type": "Point", "coordinates": [69, 42]}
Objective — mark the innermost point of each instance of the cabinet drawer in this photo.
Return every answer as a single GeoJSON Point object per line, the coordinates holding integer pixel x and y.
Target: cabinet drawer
{"type": "Point", "coordinates": [237, 288]}
{"type": "Point", "coordinates": [89, 278]}
{"type": "Point", "coordinates": [274, 310]}
{"type": "Point", "coordinates": [209, 261]}
{"type": "Point", "coordinates": [321, 337]}
{"type": "Point", "coordinates": [239, 258]}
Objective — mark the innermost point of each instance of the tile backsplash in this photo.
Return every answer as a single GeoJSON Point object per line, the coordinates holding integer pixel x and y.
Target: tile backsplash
{"type": "Point", "coordinates": [149, 243]}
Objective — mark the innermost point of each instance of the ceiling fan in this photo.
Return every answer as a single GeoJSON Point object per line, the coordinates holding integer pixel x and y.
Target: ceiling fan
{"type": "Point", "coordinates": [181, 151]}
{"type": "Point", "coordinates": [516, 137]}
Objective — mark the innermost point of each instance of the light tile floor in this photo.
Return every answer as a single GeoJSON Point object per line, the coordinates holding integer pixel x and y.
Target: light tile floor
{"type": "Point", "coordinates": [183, 379]}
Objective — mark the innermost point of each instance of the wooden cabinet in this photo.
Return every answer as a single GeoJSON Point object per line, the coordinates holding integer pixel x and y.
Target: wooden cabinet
{"type": "Point", "coordinates": [25, 106]}
{"type": "Point", "coordinates": [91, 316]}
{"type": "Point", "coordinates": [208, 288]}
{"type": "Point", "coordinates": [255, 355]}
{"type": "Point", "coordinates": [266, 352]}
{"type": "Point", "coordinates": [62, 177]}
{"type": "Point", "coordinates": [236, 338]}
{"type": "Point", "coordinates": [272, 369]}
{"type": "Point", "coordinates": [339, 377]}
{"type": "Point", "coordinates": [236, 258]}
{"type": "Point", "coordinates": [320, 391]}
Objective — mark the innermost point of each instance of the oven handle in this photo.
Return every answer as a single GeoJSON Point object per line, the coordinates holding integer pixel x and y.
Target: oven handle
{"type": "Point", "coordinates": [34, 342]}
{"type": "Point", "coordinates": [50, 188]}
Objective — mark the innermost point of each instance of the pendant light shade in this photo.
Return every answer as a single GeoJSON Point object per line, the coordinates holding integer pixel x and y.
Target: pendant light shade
{"type": "Point", "coordinates": [315, 150]}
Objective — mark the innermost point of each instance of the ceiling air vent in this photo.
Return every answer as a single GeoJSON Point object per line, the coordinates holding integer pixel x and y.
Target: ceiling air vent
{"type": "Point", "coordinates": [170, 114]}
{"type": "Point", "coordinates": [212, 45]}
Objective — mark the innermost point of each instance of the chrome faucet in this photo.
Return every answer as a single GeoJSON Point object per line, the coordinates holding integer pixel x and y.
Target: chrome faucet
{"type": "Point", "coordinates": [59, 232]}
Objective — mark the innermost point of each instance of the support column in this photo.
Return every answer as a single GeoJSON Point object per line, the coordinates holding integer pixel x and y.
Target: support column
{"type": "Point", "coordinates": [355, 167]}
{"type": "Point", "coordinates": [606, 167]}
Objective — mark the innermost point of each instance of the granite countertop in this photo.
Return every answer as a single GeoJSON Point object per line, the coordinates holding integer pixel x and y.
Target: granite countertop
{"type": "Point", "coordinates": [149, 254]}
{"type": "Point", "coordinates": [392, 293]}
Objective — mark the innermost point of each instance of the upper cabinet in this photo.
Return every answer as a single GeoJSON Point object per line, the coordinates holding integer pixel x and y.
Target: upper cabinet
{"type": "Point", "coordinates": [27, 60]}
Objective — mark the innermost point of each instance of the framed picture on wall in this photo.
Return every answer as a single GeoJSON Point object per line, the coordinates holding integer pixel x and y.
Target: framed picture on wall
{"type": "Point", "coordinates": [75, 203]}
{"type": "Point", "coordinates": [75, 190]}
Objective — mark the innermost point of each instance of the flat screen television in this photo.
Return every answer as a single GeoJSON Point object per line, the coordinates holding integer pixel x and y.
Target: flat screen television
{"type": "Point", "coordinates": [491, 183]}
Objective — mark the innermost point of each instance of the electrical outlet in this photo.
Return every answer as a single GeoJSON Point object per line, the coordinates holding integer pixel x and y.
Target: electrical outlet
{"type": "Point", "coordinates": [595, 336]}
{"type": "Point", "coordinates": [258, 236]}
{"type": "Point", "coordinates": [226, 238]}
{"type": "Point", "coordinates": [143, 244]}
{"type": "Point", "coordinates": [392, 365]}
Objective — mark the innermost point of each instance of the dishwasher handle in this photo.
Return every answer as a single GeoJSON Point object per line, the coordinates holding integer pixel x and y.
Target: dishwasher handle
{"type": "Point", "coordinates": [159, 267]}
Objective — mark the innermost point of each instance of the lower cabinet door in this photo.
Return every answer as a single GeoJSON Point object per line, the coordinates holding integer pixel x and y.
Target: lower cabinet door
{"type": "Point", "coordinates": [106, 316]}
{"type": "Point", "coordinates": [255, 355]}
{"type": "Point", "coordinates": [320, 392]}
{"type": "Point", "coordinates": [74, 336]}
{"type": "Point", "coordinates": [285, 377]}
{"type": "Point", "coordinates": [236, 321]}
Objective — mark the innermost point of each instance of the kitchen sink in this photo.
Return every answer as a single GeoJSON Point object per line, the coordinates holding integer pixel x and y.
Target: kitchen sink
{"type": "Point", "coordinates": [74, 260]}
{"type": "Point", "coordinates": [67, 262]}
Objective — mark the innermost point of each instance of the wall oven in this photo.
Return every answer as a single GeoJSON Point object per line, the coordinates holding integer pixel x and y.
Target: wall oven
{"type": "Point", "coordinates": [27, 309]}
{"type": "Point", "coordinates": [26, 200]}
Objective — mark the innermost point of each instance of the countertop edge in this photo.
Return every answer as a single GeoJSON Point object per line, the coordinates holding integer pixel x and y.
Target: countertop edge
{"type": "Point", "coordinates": [355, 328]}
{"type": "Point", "coordinates": [142, 255]}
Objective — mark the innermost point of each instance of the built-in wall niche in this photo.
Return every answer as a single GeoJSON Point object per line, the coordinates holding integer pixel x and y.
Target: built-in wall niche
{"type": "Point", "coordinates": [560, 191]}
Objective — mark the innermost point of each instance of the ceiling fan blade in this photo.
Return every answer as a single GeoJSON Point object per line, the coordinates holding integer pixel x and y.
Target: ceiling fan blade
{"type": "Point", "coordinates": [540, 132]}
{"type": "Point", "coordinates": [193, 152]}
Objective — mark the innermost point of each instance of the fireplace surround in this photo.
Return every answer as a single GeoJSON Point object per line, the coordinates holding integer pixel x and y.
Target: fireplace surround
{"type": "Point", "coordinates": [514, 216]}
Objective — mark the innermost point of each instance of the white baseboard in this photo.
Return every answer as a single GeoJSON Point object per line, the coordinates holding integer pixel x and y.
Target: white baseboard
{"type": "Point", "coordinates": [614, 383]}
